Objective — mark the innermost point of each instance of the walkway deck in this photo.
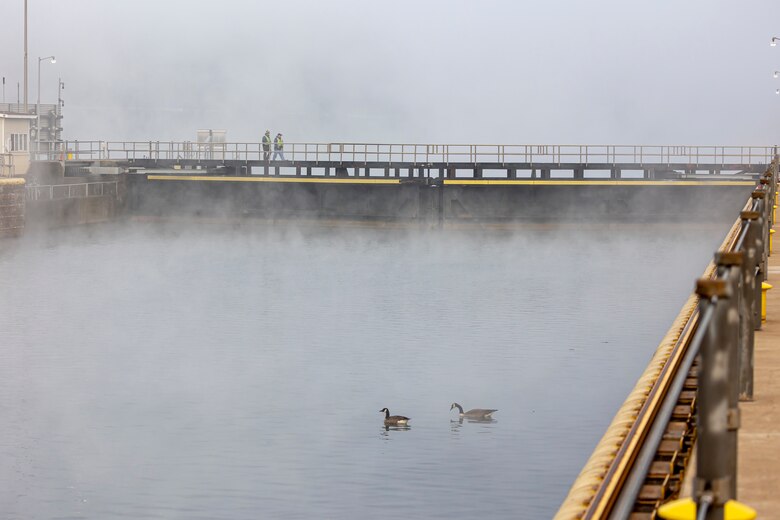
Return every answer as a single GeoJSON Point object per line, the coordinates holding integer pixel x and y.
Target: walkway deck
{"type": "Point", "coordinates": [758, 477]}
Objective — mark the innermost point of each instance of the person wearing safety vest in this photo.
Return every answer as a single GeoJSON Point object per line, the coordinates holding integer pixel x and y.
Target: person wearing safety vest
{"type": "Point", "coordinates": [278, 147]}
{"type": "Point", "coordinates": [267, 145]}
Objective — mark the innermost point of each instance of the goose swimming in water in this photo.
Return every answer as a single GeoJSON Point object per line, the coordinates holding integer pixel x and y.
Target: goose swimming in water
{"type": "Point", "coordinates": [476, 413]}
{"type": "Point", "coordinates": [394, 420]}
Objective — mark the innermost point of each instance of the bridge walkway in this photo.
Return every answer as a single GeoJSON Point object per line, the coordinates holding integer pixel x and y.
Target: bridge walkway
{"type": "Point", "coordinates": [758, 477]}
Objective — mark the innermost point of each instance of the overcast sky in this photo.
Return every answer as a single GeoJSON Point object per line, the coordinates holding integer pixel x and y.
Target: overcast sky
{"type": "Point", "coordinates": [438, 71]}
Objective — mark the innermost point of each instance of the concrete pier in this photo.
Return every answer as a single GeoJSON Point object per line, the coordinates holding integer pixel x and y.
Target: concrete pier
{"type": "Point", "coordinates": [758, 472]}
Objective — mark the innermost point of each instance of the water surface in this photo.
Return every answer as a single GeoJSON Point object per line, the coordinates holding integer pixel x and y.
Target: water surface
{"type": "Point", "coordinates": [217, 372]}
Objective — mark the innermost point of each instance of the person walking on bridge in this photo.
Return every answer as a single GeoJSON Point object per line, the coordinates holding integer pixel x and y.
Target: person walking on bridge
{"type": "Point", "coordinates": [267, 145]}
{"type": "Point", "coordinates": [279, 147]}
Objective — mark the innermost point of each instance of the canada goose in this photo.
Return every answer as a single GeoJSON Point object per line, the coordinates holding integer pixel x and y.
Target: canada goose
{"type": "Point", "coordinates": [394, 420]}
{"type": "Point", "coordinates": [476, 413]}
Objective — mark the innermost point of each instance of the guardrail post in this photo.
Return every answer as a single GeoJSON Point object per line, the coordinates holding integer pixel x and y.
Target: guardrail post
{"type": "Point", "coordinates": [748, 305]}
{"type": "Point", "coordinates": [730, 269]}
{"type": "Point", "coordinates": [773, 172]}
{"type": "Point", "coordinates": [768, 185]}
{"type": "Point", "coordinates": [766, 221]}
{"type": "Point", "coordinates": [760, 257]}
{"type": "Point", "coordinates": [714, 482]}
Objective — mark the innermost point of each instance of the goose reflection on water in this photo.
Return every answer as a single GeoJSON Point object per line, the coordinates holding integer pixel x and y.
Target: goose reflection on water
{"type": "Point", "coordinates": [386, 429]}
{"type": "Point", "coordinates": [486, 420]}
{"type": "Point", "coordinates": [457, 423]}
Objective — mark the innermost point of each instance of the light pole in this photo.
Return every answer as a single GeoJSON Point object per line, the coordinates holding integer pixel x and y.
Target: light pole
{"type": "Point", "coordinates": [773, 43]}
{"type": "Point", "coordinates": [25, 57]}
{"type": "Point", "coordinates": [38, 107]}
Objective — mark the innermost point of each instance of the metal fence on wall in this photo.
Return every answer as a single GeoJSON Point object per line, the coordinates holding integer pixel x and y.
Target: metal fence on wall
{"type": "Point", "coordinates": [71, 191]}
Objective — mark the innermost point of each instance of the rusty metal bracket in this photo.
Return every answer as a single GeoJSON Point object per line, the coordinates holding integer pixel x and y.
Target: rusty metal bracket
{"type": "Point", "coordinates": [733, 419]}
{"type": "Point", "coordinates": [729, 258]}
{"type": "Point", "coordinates": [707, 288]}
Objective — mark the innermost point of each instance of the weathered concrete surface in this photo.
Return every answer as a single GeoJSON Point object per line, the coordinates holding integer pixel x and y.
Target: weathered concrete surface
{"type": "Point", "coordinates": [758, 474]}
{"type": "Point", "coordinates": [422, 199]}
{"type": "Point", "coordinates": [12, 207]}
{"type": "Point", "coordinates": [72, 212]}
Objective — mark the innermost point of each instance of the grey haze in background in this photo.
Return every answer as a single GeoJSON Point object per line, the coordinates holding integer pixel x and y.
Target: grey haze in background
{"type": "Point", "coordinates": [695, 72]}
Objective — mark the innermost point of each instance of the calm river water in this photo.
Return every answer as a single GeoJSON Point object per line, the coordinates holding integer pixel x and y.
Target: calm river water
{"type": "Point", "coordinates": [216, 372]}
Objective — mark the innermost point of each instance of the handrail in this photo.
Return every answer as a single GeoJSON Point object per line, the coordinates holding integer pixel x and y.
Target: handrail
{"type": "Point", "coordinates": [610, 475]}
{"type": "Point", "coordinates": [715, 155]}
{"type": "Point", "coordinates": [71, 191]}
{"type": "Point", "coordinates": [592, 480]}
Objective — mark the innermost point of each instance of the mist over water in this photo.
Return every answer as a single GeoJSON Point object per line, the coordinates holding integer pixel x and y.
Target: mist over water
{"type": "Point", "coordinates": [214, 372]}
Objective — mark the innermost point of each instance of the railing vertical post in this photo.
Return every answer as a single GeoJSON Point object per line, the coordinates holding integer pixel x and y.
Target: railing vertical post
{"type": "Point", "coordinates": [713, 482]}
{"type": "Point", "coordinates": [730, 269]}
{"type": "Point", "coordinates": [761, 257]}
{"type": "Point", "coordinates": [748, 304]}
{"type": "Point", "coordinates": [772, 186]}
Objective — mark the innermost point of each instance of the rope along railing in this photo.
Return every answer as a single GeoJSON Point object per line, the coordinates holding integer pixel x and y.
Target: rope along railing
{"type": "Point", "coordinates": [363, 153]}
{"type": "Point", "coordinates": [718, 322]}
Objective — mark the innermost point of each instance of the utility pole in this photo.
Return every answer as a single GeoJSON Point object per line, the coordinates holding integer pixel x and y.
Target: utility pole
{"type": "Point", "coordinates": [25, 56]}
{"type": "Point", "coordinates": [58, 112]}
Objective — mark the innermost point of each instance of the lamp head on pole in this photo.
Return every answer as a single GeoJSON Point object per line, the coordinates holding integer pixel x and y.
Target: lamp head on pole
{"type": "Point", "coordinates": [776, 74]}
{"type": "Point", "coordinates": [773, 41]}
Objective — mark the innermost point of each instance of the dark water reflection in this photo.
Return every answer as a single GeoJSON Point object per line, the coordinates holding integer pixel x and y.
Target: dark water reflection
{"type": "Point", "coordinates": [236, 373]}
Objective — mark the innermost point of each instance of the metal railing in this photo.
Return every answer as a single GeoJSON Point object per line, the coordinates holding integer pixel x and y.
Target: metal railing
{"type": "Point", "coordinates": [6, 165]}
{"type": "Point", "coordinates": [420, 153]}
{"type": "Point", "coordinates": [721, 330]}
{"type": "Point", "coordinates": [72, 191]}
{"type": "Point", "coordinates": [18, 108]}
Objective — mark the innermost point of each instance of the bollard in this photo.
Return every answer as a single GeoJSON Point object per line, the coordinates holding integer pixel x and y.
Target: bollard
{"type": "Point", "coordinates": [764, 288]}
{"type": "Point", "coordinates": [685, 509]}
{"type": "Point", "coordinates": [771, 232]}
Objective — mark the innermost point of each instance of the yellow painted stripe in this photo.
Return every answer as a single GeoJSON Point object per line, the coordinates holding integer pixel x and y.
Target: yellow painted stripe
{"type": "Point", "coordinates": [15, 181]}
{"type": "Point", "coordinates": [325, 180]}
{"type": "Point", "coordinates": [572, 182]}
{"type": "Point", "coordinates": [453, 182]}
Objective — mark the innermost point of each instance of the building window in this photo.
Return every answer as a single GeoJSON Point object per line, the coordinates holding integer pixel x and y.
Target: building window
{"type": "Point", "coordinates": [18, 142]}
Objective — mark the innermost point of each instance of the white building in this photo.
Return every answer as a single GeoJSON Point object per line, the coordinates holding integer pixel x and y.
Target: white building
{"type": "Point", "coordinates": [15, 143]}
